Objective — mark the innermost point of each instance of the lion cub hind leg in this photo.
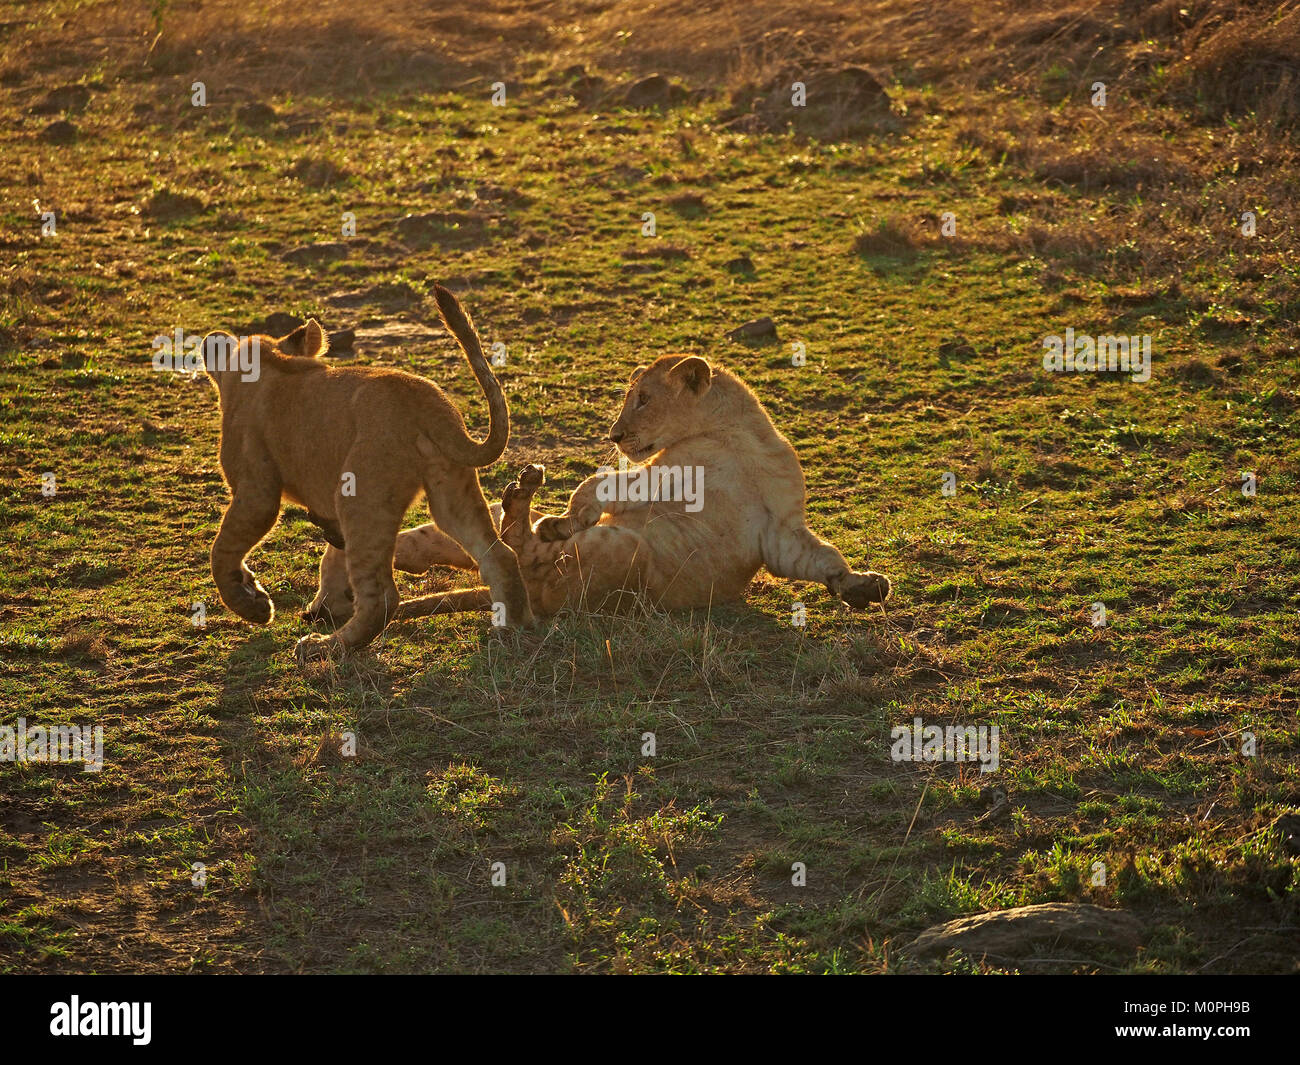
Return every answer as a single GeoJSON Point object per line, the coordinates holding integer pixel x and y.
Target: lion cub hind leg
{"type": "Point", "coordinates": [461, 601]}
{"type": "Point", "coordinates": [248, 518]}
{"type": "Point", "coordinates": [860, 590]}
{"type": "Point", "coordinates": [589, 570]}
{"type": "Point", "coordinates": [797, 553]}
{"type": "Point", "coordinates": [458, 508]}
{"type": "Point", "coordinates": [418, 551]}
{"type": "Point", "coordinates": [329, 528]}
{"type": "Point", "coordinates": [599, 566]}
{"type": "Point", "coordinates": [426, 546]}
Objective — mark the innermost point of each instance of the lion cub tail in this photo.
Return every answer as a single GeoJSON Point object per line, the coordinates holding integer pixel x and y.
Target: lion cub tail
{"type": "Point", "coordinates": [459, 601]}
{"type": "Point", "coordinates": [463, 449]}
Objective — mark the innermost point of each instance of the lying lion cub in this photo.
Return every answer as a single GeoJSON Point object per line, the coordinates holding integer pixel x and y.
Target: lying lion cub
{"type": "Point", "coordinates": [746, 510]}
{"type": "Point", "coordinates": [356, 445]}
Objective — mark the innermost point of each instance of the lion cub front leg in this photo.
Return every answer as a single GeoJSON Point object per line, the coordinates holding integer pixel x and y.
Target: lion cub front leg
{"type": "Point", "coordinates": [602, 493]}
{"type": "Point", "coordinates": [248, 518]}
{"type": "Point", "coordinates": [371, 537]}
{"type": "Point", "coordinates": [333, 600]}
{"type": "Point", "coordinates": [516, 510]}
{"type": "Point", "coordinates": [584, 511]}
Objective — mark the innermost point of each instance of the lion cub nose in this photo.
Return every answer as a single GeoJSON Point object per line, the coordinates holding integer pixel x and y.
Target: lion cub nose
{"type": "Point", "coordinates": [616, 434]}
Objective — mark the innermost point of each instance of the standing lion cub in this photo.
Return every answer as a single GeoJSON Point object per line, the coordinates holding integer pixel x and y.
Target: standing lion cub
{"type": "Point", "coordinates": [717, 494]}
{"type": "Point", "coordinates": [355, 445]}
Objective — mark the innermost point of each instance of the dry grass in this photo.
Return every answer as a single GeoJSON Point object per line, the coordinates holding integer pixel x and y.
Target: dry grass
{"type": "Point", "coordinates": [893, 237]}
{"type": "Point", "coordinates": [1224, 56]}
{"type": "Point", "coordinates": [1245, 59]}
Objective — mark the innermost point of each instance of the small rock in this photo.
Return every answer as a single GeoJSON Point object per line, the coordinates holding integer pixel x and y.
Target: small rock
{"type": "Point", "coordinates": [60, 131]}
{"type": "Point", "coordinates": [342, 341]}
{"type": "Point", "coordinates": [64, 98]}
{"type": "Point", "coordinates": [1288, 830]}
{"type": "Point", "coordinates": [256, 114]}
{"type": "Point", "coordinates": [957, 347]}
{"type": "Point", "coordinates": [441, 227]}
{"type": "Point", "coordinates": [392, 295]}
{"type": "Point", "coordinates": [654, 91]}
{"type": "Point", "coordinates": [317, 173]}
{"type": "Point", "coordinates": [1016, 933]}
{"type": "Point", "coordinates": [847, 100]}
{"type": "Point", "coordinates": [277, 324]}
{"type": "Point", "coordinates": [394, 334]}
{"type": "Point", "coordinates": [165, 205]}
{"type": "Point", "coordinates": [758, 329]}
{"type": "Point", "coordinates": [326, 251]}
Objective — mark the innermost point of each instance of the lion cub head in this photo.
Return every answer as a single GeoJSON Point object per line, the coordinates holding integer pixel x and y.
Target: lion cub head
{"type": "Point", "coordinates": [231, 360]}
{"type": "Point", "coordinates": [662, 405]}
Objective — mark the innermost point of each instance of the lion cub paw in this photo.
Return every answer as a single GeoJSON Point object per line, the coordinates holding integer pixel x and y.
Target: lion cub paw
{"type": "Point", "coordinates": [315, 647]}
{"type": "Point", "coordinates": [516, 514]}
{"type": "Point", "coordinates": [251, 601]}
{"type": "Point", "coordinates": [532, 477]}
{"type": "Point", "coordinates": [553, 527]}
{"type": "Point", "coordinates": [860, 590]}
{"type": "Point", "coordinates": [332, 609]}
{"type": "Point", "coordinates": [520, 492]}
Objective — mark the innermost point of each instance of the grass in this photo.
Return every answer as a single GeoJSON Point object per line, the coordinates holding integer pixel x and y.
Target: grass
{"type": "Point", "coordinates": [1120, 745]}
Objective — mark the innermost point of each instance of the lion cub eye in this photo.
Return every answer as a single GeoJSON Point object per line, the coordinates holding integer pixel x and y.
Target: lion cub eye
{"type": "Point", "coordinates": [641, 400]}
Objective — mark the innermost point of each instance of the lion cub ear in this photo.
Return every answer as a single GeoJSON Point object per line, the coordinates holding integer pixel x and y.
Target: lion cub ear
{"type": "Point", "coordinates": [219, 350]}
{"type": "Point", "coordinates": [637, 373]}
{"type": "Point", "coordinates": [308, 340]}
{"type": "Point", "coordinates": [694, 373]}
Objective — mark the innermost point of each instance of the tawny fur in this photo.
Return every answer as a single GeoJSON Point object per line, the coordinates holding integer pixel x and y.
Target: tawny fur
{"type": "Point", "coordinates": [679, 412]}
{"type": "Point", "coordinates": [302, 425]}
{"type": "Point", "coordinates": [418, 550]}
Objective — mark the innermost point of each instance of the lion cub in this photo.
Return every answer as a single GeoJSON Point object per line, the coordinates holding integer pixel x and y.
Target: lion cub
{"type": "Point", "coordinates": [355, 445]}
{"type": "Point", "coordinates": [715, 494]}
